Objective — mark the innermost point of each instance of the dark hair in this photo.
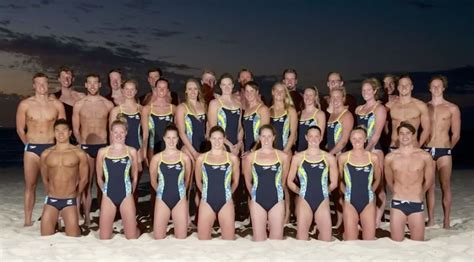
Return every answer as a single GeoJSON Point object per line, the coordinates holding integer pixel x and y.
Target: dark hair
{"type": "Point", "coordinates": [442, 78]}
{"type": "Point", "coordinates": [65, 69]}
{"type": "Point", "coordinates": [94, 75]}
{"type": "Point", "coordinates": [164, 80]}
{"type": "Point", "coordinates": [224, 76]}
{"type": "Point", "coordinates": [289, 70]}
{"type": "Point", "coordinates": [62, 121]}
{"type": "Point", "coordinates": [258, 145]}
{"type": "Point", "coordinates": [405, 76]}
{"type": "Point", "coordinates": [38, 75]}
{"type": "Point", "coordinates": [253, 84]}
{"type": "Point", "coordinates": [216, 129]}
{"type": "Point", "coordinates": [171, 128]}
{"type": "Point", "coordinates": [334, 72]}
{"type": "Point", "coordinates": [245, 70]}
{"type": "Point", "coordinates": [313, 127]}
{"type": "Point", "coordinates": [156, 69]}
{"type": "Point", "coordinates": [360, 128]}
{"type": "Point", "coordinates": [406, 125]}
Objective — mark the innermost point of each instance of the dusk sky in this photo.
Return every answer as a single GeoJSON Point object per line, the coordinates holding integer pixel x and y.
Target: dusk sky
{"type": "Point", "coordinates": [357, 38]}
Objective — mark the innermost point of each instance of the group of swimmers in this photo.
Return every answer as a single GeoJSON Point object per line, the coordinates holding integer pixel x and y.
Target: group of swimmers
{"type": "Point", "coordinates": [227, 146]}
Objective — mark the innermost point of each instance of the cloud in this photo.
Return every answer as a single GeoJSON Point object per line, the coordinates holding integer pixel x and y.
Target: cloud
{"type": "Point", "coordinates": [161, 33]}
{"type": "Point", "coordinates": [422, 5]}
{"type": "Point", "coordinates": [4, 22]}
{"type": "Point", "coordinates": [88, 7]}
{"type": "Point", "coordinates": [14, 6]}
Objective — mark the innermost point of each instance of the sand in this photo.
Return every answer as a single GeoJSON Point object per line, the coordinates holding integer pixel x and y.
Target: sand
{"type": "Point", "coordinates": [18, 243]}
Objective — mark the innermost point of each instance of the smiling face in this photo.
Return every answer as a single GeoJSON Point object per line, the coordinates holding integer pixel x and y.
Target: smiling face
{"type": "Point", "coordinates": [40, 85]}
{"type": "Point", "coordinates": [226, 86]}
{"type": "Point", "coordinates": [334, 81]}
{"type": "Point", "coordinates": [337, 98]}
{"type": "Point", "coordinates": [405, 136]}
{"type": "Point", "coordinates": [313, 137]}
{"type": "Point", "coordinates": [266, 138]}
{"type": "Point", "coordinates": [279, 92]}
{"type": "Point", "coordinates": [358, 138]}
{"type": "Point", "coordinates": [171, 139]}
{"type": "Point", "coordinates": [389, 85]}
{"type": "Point", "coordinates": [250, 93]}
{"type": "Point", "coordinates": [405, 86]}
{"type": "Point", "coordinates": [62, 133]}
{"type": "Point", "coordinates": [437, 88]}
{"type": "Point", "coordinates": [244, 77]}
{"type": "Point", "coordinates": [192, 91]}
{"type": "Point", "coordinates": [129, 90]}
{"type": "Point", "coordinates": [162, 89]}
{"type": "Point", "coordinates": [115, 80]}
{"type": "Point", "coordinates": [217, 140]}
{"type": "Point", "coordinates": [309, 97]}
{"type": "Point", "coordinates": [118, 134]}
{"type": "Point", "coordinates": [92, 85]}
{"type": "Point", "coordinates": [290, 80]}
{"type": "Point", "coordinates": [368, 92]}
{"type": "Point", "coordinates": [65, 78]}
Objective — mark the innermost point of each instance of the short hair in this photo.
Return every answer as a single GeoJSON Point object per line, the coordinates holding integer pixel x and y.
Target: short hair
{"type": "Point", "coordinates": [334, 73]}
{"type": "Point", "coordinates": [39, 75]}
{"type": "Point", "coordinates": [130, 81]}
{"type": "Point", "coordinates": [245, 70]}
{"type": "Point", "coordinates": [61, 121]}
{"type": "Point", "coordinates": [360, 128]}
{"type": "Point", "coordinates": [313, 127]}
{"type": "Point", "coordinates": [116, 70]}
{"type": "Point", "coordinates": [155, 69]}
{"type": "Point", "coordinates": [163, 80]}
{"type": "Point", "coordinates": [289, 70]}
{"type": "Point", "coordinates": [94, 75]}
{"type": "Point", "coordinates": [171, 127]}
{"type": "Point", "coordinates": [392, 76]}
{"type": "Point", "coordinates": [442, 78]}
{"type": "Point", "coordinates": [407, 76]}
{"type": "Point", "coordinates": [224, 76]}
{"type": "Point", "coordinates": [65, 69]}
{"type": "Point", "coordinates": [208, 71]}
{"type": "Point", "coordinates": [340, 89]}
{"type": "Point", "coordinates": [253, 85]}
{"type": "Point", "coordinates": [406, 125]}
{"type": "Point", "coordinates": [216, 129]}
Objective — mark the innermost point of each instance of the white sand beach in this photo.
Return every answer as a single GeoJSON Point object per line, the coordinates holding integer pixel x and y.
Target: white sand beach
{"type": "Point", "coordinates": [18, 243]}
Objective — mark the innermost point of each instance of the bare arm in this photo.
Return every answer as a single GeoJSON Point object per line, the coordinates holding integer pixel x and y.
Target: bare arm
{"type": "Point", "coordinates": [99, 168]}
{"type": "Point", "coordinates": [347, 122]}
{"type": "Point", "coordinates": [235, 172]}
{"type": "Point", "coordinates": [60, 107]}
{"type": "Point", "coordinates": [380, 118]}
{"type": "Point", "coordinates": [113, 115]}
{"type": "Point", "coordinates": [377, 171]}
{"type": "Point", "coordinates": [292, 174]}
{"type": "Point", "coordinates": [44, 171]}
{"type": "Point", "coordinates": [293, 130]}
{"type": "Point", "coordinates": [76, 123]}
{"type": "Point", "coordinates": [264, 114]}
{"type": "Point", "coordinates": [340, 162]}
{"type": "Point", "coordinates": [247, 170]}
{"type": "Point", "coordinates": [188, 167]}
{"type": "Point", "coordinates": [455, 126]}
{"type": "Point", "coordinates": [134, 174]}
{"type": "Point", "coordinates": [145, 115]}
{"type": "Point", "coordinates": [212, 116]}
{"type": "Point", "coordinates": [333, 172]}
{"type": "Point", "coordinates": [198, 172]}
{"type": "Point", "coordinates": [388, 172]}
{"type": "Point", "coordinates": [83, 171]}
{"type": "Point", "coordinates": [429, 172]}
{"type": "Point", "coordinates": [180, 124]}
{"type": "Point", "coordinates": [321, 119]}
{"type": "Point", "coordinates": [21, 121]}
{"type": "Point", "coordinates": [425, 123]}
{"type": "Point", "coordinates": [286, 166]}
{"type": "Point", "coordinates": [154, 171]}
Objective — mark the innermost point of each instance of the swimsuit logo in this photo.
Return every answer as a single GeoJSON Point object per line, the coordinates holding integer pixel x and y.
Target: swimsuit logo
{"type": "Point", "coordinates": [314, 165]}
{"type": "Point", "coordinates": [85, 147]}
{"type": "Point", "coordinates": [170, 166]}
{"type": "Point", "coordinates": [396, 203]}
{"type": "Point", "coordinates": [123, 161]}
{"type": "Point", "coordinates": [321, 166]}
{"type": "Point", "coordinates": [115, 160]}
{"type": "Point", "coordinates": [274, 168]}
{"type": "Point", "coordinates": [223, 167]}
{"type": "Point", "coordinates": [366, 169]}
{"type": "Point", "coordinates": [32, 147]}
{"type": "Point", "coordinates": [265, 167]}
{"type": "Point", "coordinates": [235, 111]}
{"type": "Point", "coordinates": [249, 118]}
{"type": "Point", "coordinates": [449, 151]}
{"type": "Point", "coordinates": [281, 119]}
{"type": "Point", "coordinates": [215, 167]}
{"type": "Point", "coordinates": [53, 200]}
{"type": "Point", "coordinates": [359, 168]}
{"type": "Point", "coordinates": [331, 125]}
{"type": "Point", "coordinates": [167, 118]}
{"type": "Point", "coordinates": [69, 202]}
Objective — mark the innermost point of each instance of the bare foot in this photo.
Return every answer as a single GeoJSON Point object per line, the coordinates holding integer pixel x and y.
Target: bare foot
{"type": "Point", "coordinates": [430, 223]}
{"type": "Point", "coordinates": [28, 224]}
{"type": "Point", "coordinates": [446, 224]}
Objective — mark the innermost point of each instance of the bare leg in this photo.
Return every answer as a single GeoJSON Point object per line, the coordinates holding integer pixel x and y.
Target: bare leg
{"type": "Point", "coordinates": [71, 221]}
{"type": "Point", "coordinates": [258, 215]}
{"type": "Point", "coordinates": [129, 218]}
{"type": "Point", "coordinates": [304, 217]}
{"type": "Point", "coordinates": [398, 222]}
{"type": "Point", "coordinates": [351, 222]}
{"type": "Point", "coordinates": [430, 200]}
{"type": "Point", "coordinates": [367, 221]}
{"type": "Point", "coordinates": [205, 221]}
{"type": "Point", "coordinates": [322, 217]}
{"type": "Point", "coordinates": [180, 216]}
{"type": "Point", "coordinates": [381, 200]}
{"type": "Point", "coordinates": [276, 220]}
{"type": "Point", "coordinates": [87, 194]}
{"type": "Point", "coordinates": [445, 164]}
{"type": "Point", "coordinates": [49, 218]}
{"type": "Point", "coordinates": [226, 218]}
{"type": "Point", "coordinates": [162, 216]}
{"type": "Point", "coordinates": [106, 218]}
{"type": "Point", "coordinates": [416, 223]}
{"type": "Point", "coordinates": [31, 164]}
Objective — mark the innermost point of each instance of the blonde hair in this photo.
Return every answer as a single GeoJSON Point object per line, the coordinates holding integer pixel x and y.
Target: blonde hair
{"type": "Point", "coordinates": [339, 89]}
{"type": "Point", "coordinates": [314, 88]}
{"type": "Point", "coordinates": [120, 120]}
{"type": "Point", "coordinates": [200, 96]}
{"type": "Point", "coordinates": [376, 86]}
{"type": "Point", "coordinates": [288, 100]}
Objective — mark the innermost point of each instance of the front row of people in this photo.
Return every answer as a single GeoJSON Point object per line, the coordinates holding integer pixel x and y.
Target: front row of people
{"type": "Point", "coordinates": [311, 174]}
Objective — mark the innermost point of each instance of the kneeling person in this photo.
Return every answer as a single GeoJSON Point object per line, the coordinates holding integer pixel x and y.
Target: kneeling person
{"type": "Point", "coordinates": [409, 174]}
{"type": "Point", "coordinates": [64, 170]}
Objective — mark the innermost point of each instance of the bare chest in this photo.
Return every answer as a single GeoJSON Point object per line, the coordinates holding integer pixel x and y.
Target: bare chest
{"type": "Point", "coordinates": [62, 159]}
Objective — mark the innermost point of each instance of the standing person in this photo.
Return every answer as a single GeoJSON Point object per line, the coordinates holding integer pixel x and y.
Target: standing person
{"type": "Point", "coordinates": [64, 172]}
{"type": "Point", "coordinates": [445, 118]}
{"type": "Point", "coordinates": [290, 79]}
{"type": "Point", "coordinates": [156, 116]}
{"type": "Point", "coordinates": [117, 176]}
{"type": "Point", "coordinates": [390, 88]}
{"type": "Point", "coordinates": [36, 114]}
{"type": "Point", "coordinates": [335, 81]}
{"type": "Point", "coordinates": [283, 118]}
{"type": "Point", "coordinates": [115, 84]}
{"type": "Point", "coordinates": [339, 126]}
{"type": "Point", "coordinates": [191, 119]}
{"type": "Point", "coordinates": [170, 172]}
{"type": "Point", "coordinates": [217, 177]}
{"type": "Point", "coordinates": [317, 177]}
{"type": "Point", "coordinates": [410, 109]}
{"type": "Point", "coordinates": [225, 112]}
{"type": "Point", "coordinates": [372, 116]}
{"type": "Point", "coordinates": [132, 111]}
{"type": "Point", "coordinates": [90, 123]}
{"type": "Point", "coordinates": [66, 94]}
{"type": "Point", "coordinates": [208, 83]}
{"type": "Point", "coordinates": [311, 115]}
{"type": "Point", "coordinates": [153, 75]}
{"type": "Point", "coordinates": [360, 173]}
{"type": "Point", "coordinates": [243, 77]}
{"type": "Point", "coordinates": [265, 171]}
{"type": "Point", "coordinates": [409, 174]}
{"type": "Point", "coordinates": [255, 116]}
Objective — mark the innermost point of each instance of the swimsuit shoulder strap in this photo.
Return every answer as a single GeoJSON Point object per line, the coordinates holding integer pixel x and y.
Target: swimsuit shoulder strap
{"type": "Point", "coordinates": [340, 115]}
{"type": "Point", "coordinates": [370, 157]}
{"type": "Point", "coordinates": [348, 157]}
{"type": "Point", "coordinates": [278, 158]}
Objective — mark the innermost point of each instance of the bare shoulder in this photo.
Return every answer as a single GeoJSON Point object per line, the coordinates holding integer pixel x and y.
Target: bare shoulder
{"type": "Point", "coordinates": [389, 157]}
{"type": "Point", "coordinates": [283, 155]}
{"type": "Point", "coordinates": [422, 154]}
{"type": "Point", "coordinates": [420, 104]}
{"type": "Point", "coordinates": [292, 111]}
{"type": "Point", "coordinates": [452, 107]}
{"type": "Point", "coordinates": [374, 157]}
{"type": "Point", "coordinates": [158, 156]}
{"type": "Point", "coordinates": [214, 102]}
{"type": "Point", "coordinates": [79, 152]}
{"type": "Point", "coordinates": [184, 156]}
{"type": "Point", "coordinates": [342, 157]}
{"type": "Point", "coordinates": [132, 150]}
{"type": "Point", "coordinates": [200, 158]}
{"type": "Point", "coordinates": [248, 157]}
{"type": "Point", "coordinates": [380, 108]}
{"type": "Point", "coordinates": [234, 158]}
{"type": "Point", "coordinates": [328, 156]}
{"type": "Point", "coordinates": [46, 152]}
{"type": "Point", "coordinates": [297, 157]}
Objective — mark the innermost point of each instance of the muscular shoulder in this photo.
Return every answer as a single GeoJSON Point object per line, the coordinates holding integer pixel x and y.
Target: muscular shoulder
{"type": "Point", "coordinates": [46, 152]}
{"type": "Point", "coordinates": [422, 154]}
{"type": "Point", "coordinates": [79, 152]}
{"type": "Point", "coordinates": [420, 104]}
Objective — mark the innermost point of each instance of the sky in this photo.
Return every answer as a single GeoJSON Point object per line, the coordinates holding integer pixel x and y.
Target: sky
{"type": "Point", "coordinates": [356, 38]}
